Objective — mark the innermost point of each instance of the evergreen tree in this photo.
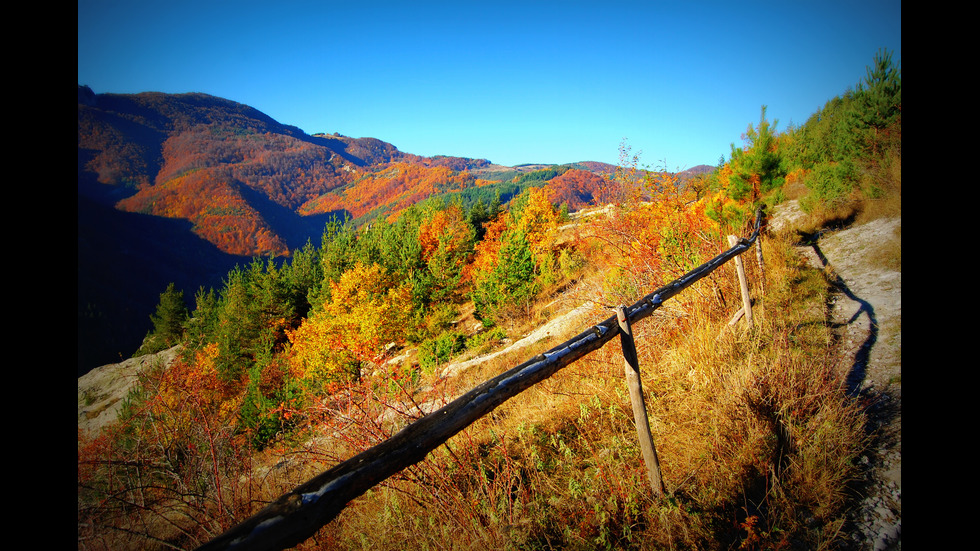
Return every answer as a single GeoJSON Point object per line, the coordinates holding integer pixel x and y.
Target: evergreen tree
{"type": "Point", "coordinates": [478, 216]}
{"type": "Point", "coordinates": [516, 270]}
{"type": "Point", "coordinates": [512, 281]}
{"type": "Point", "coordinates": [171, 315]}
{"type": "Point", "coordinates": [879, 100]}
{"type": "Point", "coordinates": [840, 144]}
{"type": "Point", "coordinates": [305, 280]}
{"type": "Point", "coordinates": [338, 250]}
{"type": "Point", "coordinates": [234, 325]}
{"type": "Point", "coordinates": [168, 321]}
{"type": "Point", "coordinates": [202, 325]}
{"type": "Point", "coordinates": [494, 210]}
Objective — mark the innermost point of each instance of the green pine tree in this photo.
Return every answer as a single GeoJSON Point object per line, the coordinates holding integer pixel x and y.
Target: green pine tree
{"type": "Point", "coordinates": [879, 99]}
{"type": "Point", "coordinates": [169, 321]}
{"type": "Point", "coordinates": [477, 217]}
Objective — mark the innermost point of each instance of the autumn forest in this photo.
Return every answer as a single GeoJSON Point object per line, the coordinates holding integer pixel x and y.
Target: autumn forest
{"type": "Point", "coordinates": [291, 269]}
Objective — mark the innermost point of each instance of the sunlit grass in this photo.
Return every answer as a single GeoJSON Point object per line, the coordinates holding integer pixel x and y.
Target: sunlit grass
{"type": "Point", "coordinates": [755, 437]}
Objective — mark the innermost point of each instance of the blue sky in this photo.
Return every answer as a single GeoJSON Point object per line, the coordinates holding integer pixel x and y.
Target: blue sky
{"type": "Point", "coordinates": [512, 82]}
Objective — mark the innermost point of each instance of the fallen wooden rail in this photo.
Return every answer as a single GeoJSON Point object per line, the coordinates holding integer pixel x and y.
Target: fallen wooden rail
{"type": "Point", "coordinates": [300, 513]}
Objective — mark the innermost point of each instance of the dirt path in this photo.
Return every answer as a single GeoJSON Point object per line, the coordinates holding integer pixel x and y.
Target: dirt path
{"type": "Point", "coordinates": [866, 312]}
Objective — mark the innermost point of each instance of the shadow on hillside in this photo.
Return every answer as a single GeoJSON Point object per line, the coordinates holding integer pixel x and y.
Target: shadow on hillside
{"type": "Point", "coordinates": [321, 220]}
{"type": "Point", "coordinates": [293, 228]}
{"type": "Point", "coordinates": [336, 145]}
{"type": "Point", "coordinates": [125, 260]}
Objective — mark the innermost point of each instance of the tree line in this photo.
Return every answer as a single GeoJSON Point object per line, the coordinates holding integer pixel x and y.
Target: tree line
{"type": "Point", "coordinates": [847, 151]}
{"type": "Point", "coordinates": [281, 330]}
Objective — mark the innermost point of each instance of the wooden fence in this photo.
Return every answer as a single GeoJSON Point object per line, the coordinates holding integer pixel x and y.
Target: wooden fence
{"type": "Point", "coordinates": [300, 513]}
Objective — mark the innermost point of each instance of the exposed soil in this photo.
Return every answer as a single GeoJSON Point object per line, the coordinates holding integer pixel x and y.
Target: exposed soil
{"type": "Point", "coordinates": [866, 313]}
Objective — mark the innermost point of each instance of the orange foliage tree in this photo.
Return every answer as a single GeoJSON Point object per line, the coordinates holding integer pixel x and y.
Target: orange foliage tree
{"type": "Point", "coordinates": [446, 239]}
{"type": "Point", "coordinates": [515, 259]}
{"type": "Point", "coordinates": [217, 210]}
{"type": "Point", "coordinates": [394, 186]}
{"type": "Point", "coordinates": [487, 250]}
{"type": "Point", "coordinates": [577, 188]}
{"type": "Point", "coordinates": [645, 244]}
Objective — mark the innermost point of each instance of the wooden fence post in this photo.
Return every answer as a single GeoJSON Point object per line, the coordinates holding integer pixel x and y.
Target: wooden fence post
{"type": "Point", "coordinates": [639, 407]}
{"type": "Point", "coordinates": [743, 283]}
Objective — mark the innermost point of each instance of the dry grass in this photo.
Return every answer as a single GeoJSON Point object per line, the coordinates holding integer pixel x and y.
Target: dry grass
{"type": "Point", "coordinates": [754, 434]}
{"type": "Point", "coordinates": [888, 253]}
{"type": "Point", "coordinates": [884, 182]}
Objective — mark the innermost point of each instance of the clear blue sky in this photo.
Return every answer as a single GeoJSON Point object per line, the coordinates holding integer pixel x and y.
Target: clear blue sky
{"type": "Point", "coordinates": [513, 82]}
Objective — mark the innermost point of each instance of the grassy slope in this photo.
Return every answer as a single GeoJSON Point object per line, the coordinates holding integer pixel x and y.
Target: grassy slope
{"type": "Point", "coordinates": [754, 438]}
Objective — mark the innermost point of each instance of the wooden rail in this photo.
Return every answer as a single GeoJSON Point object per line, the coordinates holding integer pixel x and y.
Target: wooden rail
{"type": "Point", "coordinates": [300, 513]}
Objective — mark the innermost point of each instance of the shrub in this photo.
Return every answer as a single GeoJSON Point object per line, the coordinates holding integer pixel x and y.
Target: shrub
{"type": "Point", "coordinates": [830, 183]}
{"type": "Point", "coordinates": [485, 338]}
{"type": "Point", "coordinates": [436, 351]}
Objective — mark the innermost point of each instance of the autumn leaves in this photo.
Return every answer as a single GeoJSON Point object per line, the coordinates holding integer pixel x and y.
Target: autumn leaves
{"type": "Point", "coordinates": [430, 257]}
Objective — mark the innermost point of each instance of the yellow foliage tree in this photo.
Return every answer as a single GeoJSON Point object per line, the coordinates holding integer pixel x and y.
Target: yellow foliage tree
{"type": "Point", "coordinates": [366, 310]}
{"type": "Point", "coordinates": [539, 220]}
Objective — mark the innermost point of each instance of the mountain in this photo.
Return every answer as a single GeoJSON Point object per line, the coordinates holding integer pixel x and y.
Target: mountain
{"type": "Point", "coordinates": [181, 187]}
{"type": "Point", "coordinates": [696, 171]}
{"type": "Point", "coordinates": [243, 180]}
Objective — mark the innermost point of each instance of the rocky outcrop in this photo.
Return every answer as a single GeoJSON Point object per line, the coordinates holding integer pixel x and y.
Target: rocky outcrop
{"type": "Point", "coordinates": [102, 391]}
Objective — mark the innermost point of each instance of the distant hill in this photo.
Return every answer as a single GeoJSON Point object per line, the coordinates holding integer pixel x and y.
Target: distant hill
{"type": "Point", "coordinates": [696, 171]}
{"type": "Point", "coordinates": [181, 187]}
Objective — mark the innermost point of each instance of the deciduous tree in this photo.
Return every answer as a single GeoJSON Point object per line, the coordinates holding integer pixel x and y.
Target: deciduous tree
{"type": "Point", "coordinates": [366, 310]}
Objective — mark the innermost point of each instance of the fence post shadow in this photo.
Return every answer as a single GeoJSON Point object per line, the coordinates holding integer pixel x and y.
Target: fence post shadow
{"type": "Point", "coordinates": [859, 367]}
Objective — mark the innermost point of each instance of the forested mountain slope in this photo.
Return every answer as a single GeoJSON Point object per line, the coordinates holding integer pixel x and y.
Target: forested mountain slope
{"type": "Point", "coordinates": [182, 187]}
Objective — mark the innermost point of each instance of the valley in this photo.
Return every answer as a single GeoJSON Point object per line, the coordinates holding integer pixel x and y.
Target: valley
{"type": "Point", "coordinates": [181, 188]}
